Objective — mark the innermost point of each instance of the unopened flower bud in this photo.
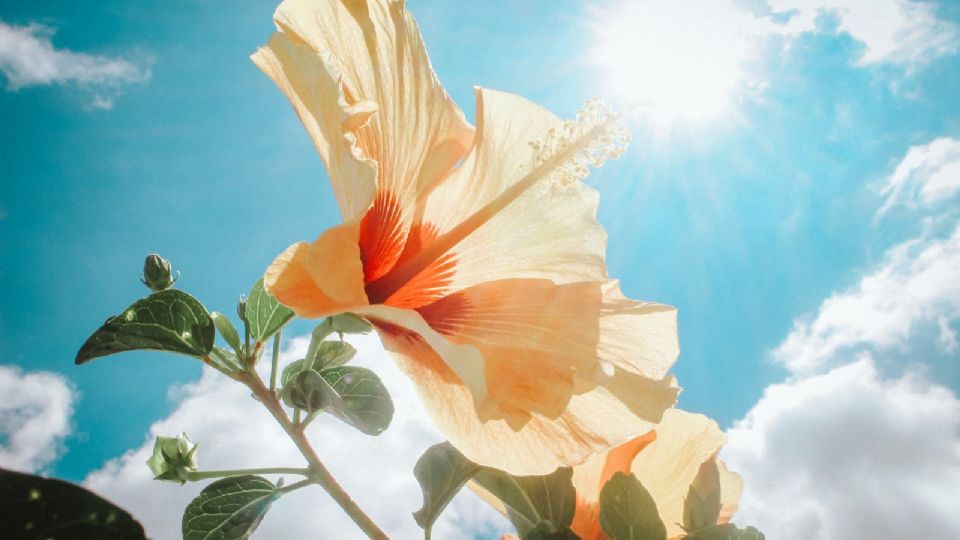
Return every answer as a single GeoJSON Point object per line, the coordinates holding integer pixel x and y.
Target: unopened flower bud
{"type": "Point", "coordinates": [173, 458]}
{"type": "Point", "coordinates": [242, 308]}
{"type": "Point", "coordinates": [157, 273]}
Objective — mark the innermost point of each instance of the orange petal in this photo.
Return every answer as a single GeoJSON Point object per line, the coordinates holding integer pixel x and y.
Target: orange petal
{"type": "Point", "coordinates": [731, 487]}
{"type": "Point", "coordinates": [321, 278]}
{"type": "Point", "coordinates": [589, 478]}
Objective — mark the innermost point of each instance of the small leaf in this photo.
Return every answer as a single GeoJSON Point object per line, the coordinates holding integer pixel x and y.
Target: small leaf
{"type": "Point", "coordinates": [359, 398]}
{"type": "Point", "coordinates": [35, 507]}
{"type": "Point", "coordinates": [306, 390]}
{"type": "Point", "coordinates": [228, 509]}
{"type": "Point", "coordinates": [546, 531]}
{"type": "Point", "coordinates": [727, 531]}
{"type": "Point", "coordinates": [291, 370]}
{"type": "Point", "coordinates": [531, 500]}
{"type": "Point", "coordinates": [169, 320]}
{"type": "Point", "coordinates": [628, 512]}
{"type": "Point", "coordinates": [264, 313]}
{"type": "Point", "coordinates": [348, 323]}
{"type": "Point", "coordinates": [225, 359]}
{"type": "Point", "coordinates": [227, 330]}
{"type": "Point", "coordinates": [441, 471]}
{"type": "Point", "coordinates": [701, 508]}
{"type": "Point", "coordinates": [332, 354]}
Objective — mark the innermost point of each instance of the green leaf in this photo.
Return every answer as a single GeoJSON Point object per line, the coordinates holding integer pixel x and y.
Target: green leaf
{"type": "Point", "coordinates": [531, 500]}
{"type": "Point", "coordinates": [169, 320]}
{"type": "Point", "coordinates": [546, 531]}
{"type": "Point", "coordinates": [441, 471]}
{"type": "Point", "coordinates": [227, 330]}
{"type": "Point", "coordinates": [348, 323]}
{"type": "Point", "coordinates": [264, 313]}
{"type": "Point", "coordinates": [306, 390]}
{"type": "Point", "coordinates": [628, 512]}
{"type": "Point", "coordinates": [359, 398]}
{"type": "Point", "coordinates": [225, 359]}
{"type": "Point", "coordinates": [292, 369]}
{"type": "Point", "coordinates": [228, 509]}
{"type": "Point", "coordinates": [727, 531]}
{"type": "Point", "coordinates": [35, 507]}
{"type": "Point", "coordinates": [331, 354]}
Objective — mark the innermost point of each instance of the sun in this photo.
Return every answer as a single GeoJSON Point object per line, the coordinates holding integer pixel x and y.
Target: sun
{"type": "Point", "coordinates": [684, 58]}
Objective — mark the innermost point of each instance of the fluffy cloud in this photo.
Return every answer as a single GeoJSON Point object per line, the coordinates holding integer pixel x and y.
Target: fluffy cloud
{"type": "Point", "coordinates": [28, 58]}
{"type": "Point", "coordinates": [34, 417]}
{"type": "Point", "coordinates": [235, 432]}
{"type": "Point", "coordinates": [915, 287]}
{"type": "Point", "coordinates": [928, 174]}
{"type": "Point", "coordinates": [848, 454]}
{"type": "Point", "coordinates": [893, 31]}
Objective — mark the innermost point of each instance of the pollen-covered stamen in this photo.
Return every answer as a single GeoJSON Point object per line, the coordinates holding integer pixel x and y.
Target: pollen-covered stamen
{"type": "Point", "coordinates": [564, 155]}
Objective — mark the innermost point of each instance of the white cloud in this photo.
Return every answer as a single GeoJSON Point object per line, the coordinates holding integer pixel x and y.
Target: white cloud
{"type": "Point", "coordinates": [35, 415]}
{"type": "Point", "coordinates": [28, 58]}
{"type": "Point", "coordinates": [847, 454]}
{"type": "Point", "coordinates": [893, 31]}
{"type": "Point", "coordinates": [915, 287]}
{"type": "Point", "coordinates": [235, 432]}
{"type": "Point", "coordinates": [928, 174]}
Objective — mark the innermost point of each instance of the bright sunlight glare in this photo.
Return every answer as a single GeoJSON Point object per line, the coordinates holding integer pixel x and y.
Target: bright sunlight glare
{"type": "Point", "coordinates": [685, 57]}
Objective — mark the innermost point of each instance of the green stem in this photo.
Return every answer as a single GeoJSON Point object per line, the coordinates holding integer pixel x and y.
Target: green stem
{"type": "Point", "coordinates": [296, 415]}
{"type": "Point", "coordinates": [275, 361]}
{"type": "Point", "coordinates": [296, 485]}
{"type": "Point", "coordinates": [193, 476]}
{"type": "Point", "coordinates": [309, 418]}
{"type": "Point", "coordinates": [318, 471]}
{"type": "Point", "coordinates": [427, 533]}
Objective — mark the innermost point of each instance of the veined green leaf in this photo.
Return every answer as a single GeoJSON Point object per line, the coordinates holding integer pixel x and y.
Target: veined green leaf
{"type": "Point", "coordinates": [628, 512]}
{"type": "Point", "coordinates": [306, 390]}
{"type": "Point", "coordinates": [726, 531]}
{"type": "Point", "coordinates": [530, 500]}
{"type": "Point", "coordinates": [36, 507]}
{"type": "Point", "coordinates": [227, 330]}
{"type": "Point", "coordinates": [229, 509]}
{"type": "Point", "coordinates": [169, 320]}
{"type": "Point", "coordinates": [441, 471]}
{"type": "Point", "coordinates": [546, 531]}
{"type": "Point", "coordinates": [265, 314]}
{"type": "Point", "coordinates": [358, 398]}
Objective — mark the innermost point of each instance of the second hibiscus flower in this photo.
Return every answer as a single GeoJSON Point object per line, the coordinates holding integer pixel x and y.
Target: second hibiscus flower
{"type": "Point", "coordinates": [475, 252]}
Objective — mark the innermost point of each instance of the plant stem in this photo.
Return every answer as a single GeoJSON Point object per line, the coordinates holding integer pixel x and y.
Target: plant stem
{"type": "Point", "coordinates": [318, 472]}
{"type": "Point", "coordinates": [296, 485]}
{"type": "Point", "coordinates": [193, 476]}
{"type": "Point", "coordinates": [275, 361]}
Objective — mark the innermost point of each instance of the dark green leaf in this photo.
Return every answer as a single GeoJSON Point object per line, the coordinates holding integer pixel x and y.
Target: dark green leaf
{"type": "Point", "coordinates": [533, 499]}
{"type": "Point", "coordinates": [727, 531]}
{"type": "Point", "coordinates": [359, 398]}
{"type": "Point", "coordinates": [546, 531]}
{"type": "Point", "coordinates": [169, 320]}
{"type": "Point", "coordinates": [227, 330]}
{"type": "Point", "coordinates": [292, 369]}
{"type": "Point", "coordinates": [228, 509]}
{"type": "Point", "coordinates": [441, 471]}
{"type": "Point", "coordinates": [264, 313]}
{"type": "Point", "coordinates": [628, 512]}
{"type": "Point", "coordinates": [306, 390]}
{"type": "Point", "coordinates": [45, 508]}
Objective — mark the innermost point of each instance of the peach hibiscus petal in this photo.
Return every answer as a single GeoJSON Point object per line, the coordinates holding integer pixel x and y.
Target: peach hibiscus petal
{"type": "Point", "coordinates": [417, 133]}
{"type": "Point", "coordinates": [670, 464]}
{"type": "Point", "coordinates": [731, 488]}
{"type": "Point", "coordinates": [312, 84]}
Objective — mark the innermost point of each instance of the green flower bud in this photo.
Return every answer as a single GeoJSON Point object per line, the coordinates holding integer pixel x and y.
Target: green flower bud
{"type": "Point", "coordinates": [173, 458]}
{"type": "Point", "coordinates": [157, 273]}
{"type": "Point", "coordinates": [242, 307]}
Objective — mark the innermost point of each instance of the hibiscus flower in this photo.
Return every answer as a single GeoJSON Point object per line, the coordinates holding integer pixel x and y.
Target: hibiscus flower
{"type": "Point", "coordinates": [678, 453]}
{"type": "Point", "coordinates": [475, 252]}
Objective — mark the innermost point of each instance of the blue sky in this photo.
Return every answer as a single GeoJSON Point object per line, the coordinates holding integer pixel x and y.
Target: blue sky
{"type": "Point", "coordinates": [749, 217]}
